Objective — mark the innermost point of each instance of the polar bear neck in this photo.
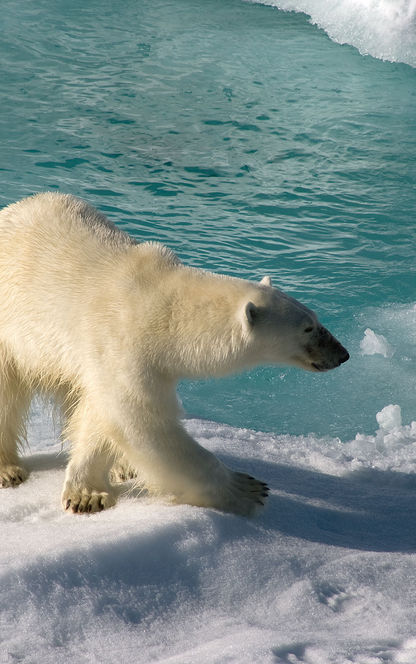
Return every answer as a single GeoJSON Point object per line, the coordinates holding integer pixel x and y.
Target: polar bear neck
{"type": "Point", "coordinates": [205, 316]}
{"type": "Point", "coordinates": [197, 315]}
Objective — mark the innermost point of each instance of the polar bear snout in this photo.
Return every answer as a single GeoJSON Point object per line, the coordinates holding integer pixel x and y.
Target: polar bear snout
{"type": "Point", "coordinates": [326, 366]}
{"type": "Point", "coordinates": [325, 351]}
{"type": "Point", "coordinates": [345, 355]}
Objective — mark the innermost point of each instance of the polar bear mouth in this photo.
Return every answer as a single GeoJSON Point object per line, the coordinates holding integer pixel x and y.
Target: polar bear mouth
{"type": "Point", "coordinates": [319, 367]}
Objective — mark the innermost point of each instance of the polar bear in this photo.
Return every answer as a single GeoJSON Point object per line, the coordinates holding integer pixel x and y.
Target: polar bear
{"type": "Point", "coordinates": [108, 326]}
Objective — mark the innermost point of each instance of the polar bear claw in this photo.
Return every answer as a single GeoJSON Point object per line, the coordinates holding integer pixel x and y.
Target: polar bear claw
{"type": "Point", "coordinates": [248, 493]}
{"type": "Point", "coordinates": [12, 475]}
{"type": "Point", "coordinates": [87, 502]}
{"type": "Point", "coordinates": [122, 472]}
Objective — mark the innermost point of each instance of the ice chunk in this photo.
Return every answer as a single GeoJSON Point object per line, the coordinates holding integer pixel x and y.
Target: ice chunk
{"type": "Point", "coordinates": [390, 418]}
{"type": "Point", "coordinates": [373, 344]}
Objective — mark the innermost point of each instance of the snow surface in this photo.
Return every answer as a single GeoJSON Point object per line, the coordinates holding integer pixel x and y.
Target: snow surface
{"type": "Point", "coordinates": [325, 575]}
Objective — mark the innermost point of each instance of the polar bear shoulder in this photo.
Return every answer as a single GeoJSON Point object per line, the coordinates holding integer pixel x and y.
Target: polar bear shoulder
{"type": "Point", "coordinates": [53, 212]}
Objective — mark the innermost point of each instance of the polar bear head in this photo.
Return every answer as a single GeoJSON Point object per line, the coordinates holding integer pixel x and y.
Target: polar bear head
{"type": "Point", "coordinates": [212, 325]}
{"type": "Point", "coordinates": [281, 330]}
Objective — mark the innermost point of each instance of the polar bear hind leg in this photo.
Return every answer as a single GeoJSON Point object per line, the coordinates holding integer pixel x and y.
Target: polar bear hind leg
{"type": "Point", "coordinates": [15, 399]}
{"type": "Point", "coordinates": [87, 488]}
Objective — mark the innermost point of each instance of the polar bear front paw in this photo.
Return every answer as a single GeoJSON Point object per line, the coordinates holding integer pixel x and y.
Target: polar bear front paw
{"type": "Point", "coordinates": [245, 494]}
{"type": "Point", "coordinates": [84, 501]}
{"type": "Point", "coordinates": [225, 490]}
{"type": "Point", "coordinates": [12, 475]}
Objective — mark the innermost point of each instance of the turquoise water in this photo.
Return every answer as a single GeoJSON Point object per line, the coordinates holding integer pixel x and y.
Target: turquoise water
{"type": "Point", "coordinates": [251, 143]}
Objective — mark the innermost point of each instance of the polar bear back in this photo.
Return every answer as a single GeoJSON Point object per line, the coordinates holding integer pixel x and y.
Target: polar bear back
{"type": "Point", "coordinates": [56, 214]}
{"type": "Point", "coordinates": [74, 288]}
{"type": "Point", "coordinates": [61, 264]}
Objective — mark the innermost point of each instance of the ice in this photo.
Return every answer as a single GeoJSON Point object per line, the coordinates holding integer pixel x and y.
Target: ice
{"type": "Point", "coordinates": [390, 418]}
{"type": "Point", "coordinates": [382, 28]}
{"type": "Point", "coordinates": [325, 575]}
{"type": "Point", "coordinates": [373, 344]}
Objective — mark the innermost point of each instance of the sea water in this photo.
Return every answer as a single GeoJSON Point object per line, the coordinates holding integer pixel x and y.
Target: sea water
{"type": "Point", "coordinates": [252, 141]}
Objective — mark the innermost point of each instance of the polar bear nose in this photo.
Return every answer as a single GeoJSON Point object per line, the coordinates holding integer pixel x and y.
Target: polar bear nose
{"type": "Point", "coordinates": [344, 357]}
{"type": "Point", "coordinates": [341, 353]}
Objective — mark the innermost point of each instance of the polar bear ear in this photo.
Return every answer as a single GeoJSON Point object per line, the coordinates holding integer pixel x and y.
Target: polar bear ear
{"type": "Point", "coordinates": [251, 312]}
{"type": "Point", "coordinates": [266, 281]}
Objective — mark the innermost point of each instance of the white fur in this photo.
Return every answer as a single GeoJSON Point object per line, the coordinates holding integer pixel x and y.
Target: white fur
{"type": "Point", "coordinates": [109, 326]}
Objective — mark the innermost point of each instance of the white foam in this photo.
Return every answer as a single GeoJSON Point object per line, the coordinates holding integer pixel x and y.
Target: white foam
{"type": "Point", "coordinates": [384, 29]}
{"type": "Point", "coordinates": [373, 344]}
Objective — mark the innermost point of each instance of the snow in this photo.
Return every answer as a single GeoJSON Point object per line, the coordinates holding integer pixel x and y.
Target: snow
{"type": "Point", "coordinates": [325, 575]}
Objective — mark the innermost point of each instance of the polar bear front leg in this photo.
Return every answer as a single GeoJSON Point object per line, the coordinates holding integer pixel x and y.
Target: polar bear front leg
{"type": "Point", "coordinates": [177, 465]}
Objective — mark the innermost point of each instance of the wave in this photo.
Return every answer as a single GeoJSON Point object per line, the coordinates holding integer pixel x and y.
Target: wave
{"type": "Point", "coordinates": [385, 29]}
